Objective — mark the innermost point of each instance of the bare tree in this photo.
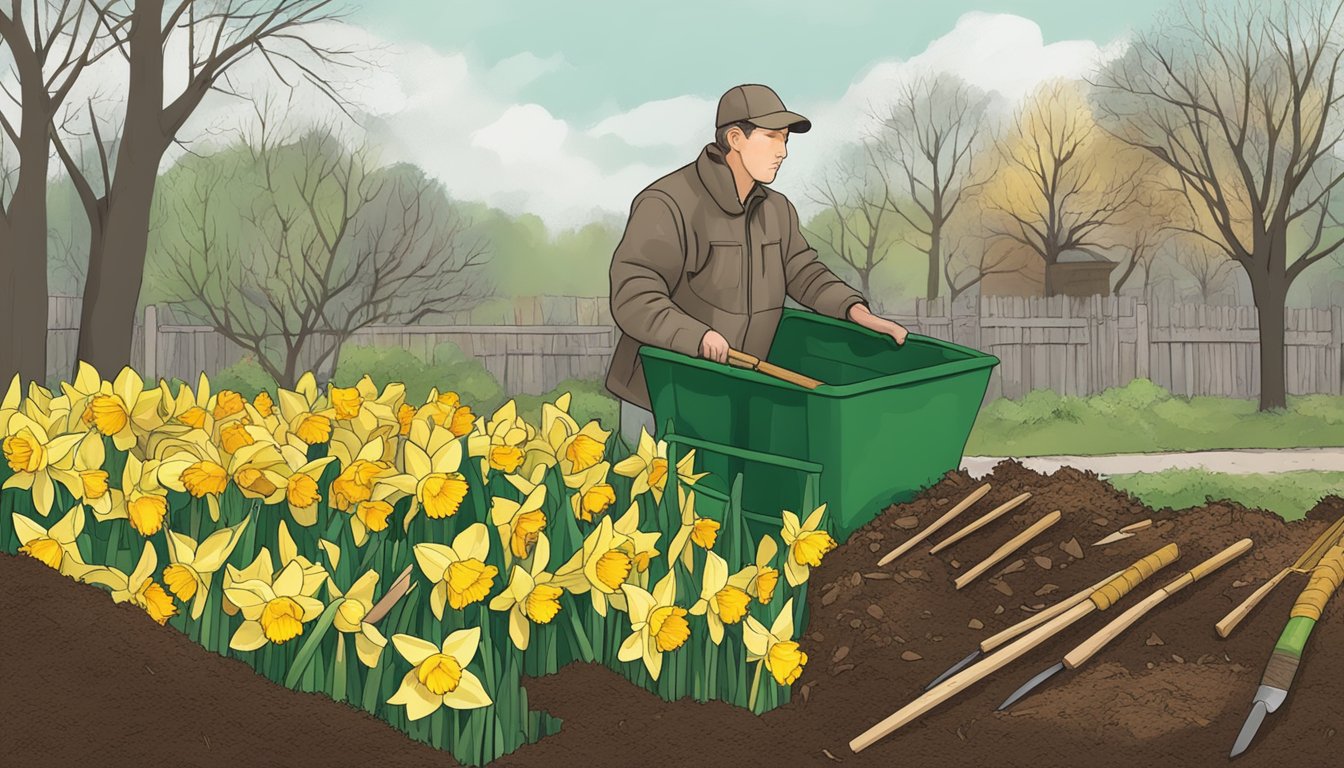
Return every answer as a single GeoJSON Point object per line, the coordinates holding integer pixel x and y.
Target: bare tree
{"type": "Point", "coordinates": [118, 200]}
{"type": "Point", "coordinates": [1210, 270]}
{"type": "Point", "coordinates": [332, 245]}
{"type": "Point", "coordinates": [1065, 192]}
{"type": "Point", "coordinates": [49, 45]}
{"type": "Point", "coordinates": [1243, 104]}
{"type": "Point", "coordinates": [856, 195]}
{"type": "Point", "coordinates": [930, 137]}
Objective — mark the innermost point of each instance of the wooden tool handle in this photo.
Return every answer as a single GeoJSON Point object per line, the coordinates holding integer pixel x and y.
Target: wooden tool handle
{"type": "Point", "coordinates": [909, 544]}
{"type": "Point", "coordinates": [1232, 552]}
{"type": "Point", "coordinates": [744, 360]}
{"type": "Point", "coordinates": [1008, 548]}
{"type": "Point", "coordinates": [1035, 620]}
{"type": "Point", "coordinates": [1325, 580]}
{"type": "Point", "coordinates": [1234, 617]}
{"type": "Point", "coordinates": [989, 517]}
{"type": "Point", "coordinates": [1133, 576]}
{"type": "Point", "coordinates": [1139, 526]}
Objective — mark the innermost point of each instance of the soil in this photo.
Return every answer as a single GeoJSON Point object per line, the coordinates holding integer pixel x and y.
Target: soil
{"type": "Point", "coordinates": [1168, 691]}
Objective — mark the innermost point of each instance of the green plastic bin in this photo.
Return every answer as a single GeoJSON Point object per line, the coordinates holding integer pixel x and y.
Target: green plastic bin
{"type": "Point", "coordinates": [889, 421]}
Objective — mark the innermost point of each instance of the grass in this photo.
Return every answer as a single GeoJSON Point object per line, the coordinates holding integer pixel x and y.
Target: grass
{"type": "Point", "coordinates": [1143, 417]}
{"type": "Point", "coordinates": [1288, 494]}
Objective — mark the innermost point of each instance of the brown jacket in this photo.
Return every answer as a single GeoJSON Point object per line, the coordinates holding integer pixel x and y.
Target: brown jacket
{"type": "Point", "coordinates": [693, 259]}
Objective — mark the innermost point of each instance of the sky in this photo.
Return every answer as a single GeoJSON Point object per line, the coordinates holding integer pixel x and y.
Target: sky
{"type": "Point", "coordinates": [568, 110]}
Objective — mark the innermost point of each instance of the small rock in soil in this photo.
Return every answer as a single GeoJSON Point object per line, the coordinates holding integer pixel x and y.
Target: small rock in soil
{"type": "Point", "coordinates": [855, 624]}
{"type": "Point", "coordinates": [1101, 521]}
{"type": "Point", "coordinates": [937, 638]}
{"type": "Point", "coordinates": [855, 579]}
{"type": "Point", "coordinates": [1044, 562]}
{"type": "Point", "coordinates": [877, 576]}
{"type": "Point", "coordinates": [898, 578]}
{"type": "Point", "coordinates": [1038, 549]}
{"type": "Point", "coordinates": [1073, 548]}
{"type": "Point", "coordinates": [998, 610]}
{"type": "Point", "coordinates": [940, 501]}
{"type": "Point", "coordinates": [1150, 665]}
{"type": "Point", "coordinates": [1013, 567]}
{"type": "Point", "coordinates": [911, 656]}
{"type": "Point", "coordinates": [956, 564]}
{"type": "Point", "coordinates": [1239, 584]}
{"type": "Point", "coordinates": [1046, 589]}
{"type": "Point", "coordinates": [1177, 659]}
{"type": "Point", "coordinates": [1004, 588]}
{"type": "Point", "coordinates": [1153, 639]}
{"type": "Point", "coordinates": [976, 624]}
{"type": "Point", "coordinates": [1062, 566]}
{"type": "Point", "coordinates": [840, 654]}
{"type": "Point", "coordinates": [830, 596]}
{"type": "Point", "coordinates": [876, 612]}
{"type": "Point", "coordinates": [916, 574]}
{"type": "Point", "coordinates": [907, 522]}
{"type": "Point", "coordinates": [806, 691]}
{"type": "Point", "coordinates": [898, 639]}
{"type": "Point", "coordinates": [1205, 659]}
{"type": "Point", "coordinates": [926, 615]}
{"type": "Point", "coordinates": [843, 668]}
{"type": "Point", "coordinates": [874, 547]}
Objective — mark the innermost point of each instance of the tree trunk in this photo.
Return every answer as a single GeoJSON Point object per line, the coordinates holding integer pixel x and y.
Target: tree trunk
{"type": "Point", "coordinates": [935, 262]}
{"type": "Point", "coordinates": [1270, 296]}
{"type": "Point", "coordinates": [25, 237]}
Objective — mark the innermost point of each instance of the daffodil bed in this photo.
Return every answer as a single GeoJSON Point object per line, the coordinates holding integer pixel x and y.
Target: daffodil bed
{"type": "Point", "coordinates": [413, 560]}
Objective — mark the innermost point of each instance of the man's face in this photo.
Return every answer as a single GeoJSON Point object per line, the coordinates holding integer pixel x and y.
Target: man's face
{"type": "Point", "coordinates": [762, 152]}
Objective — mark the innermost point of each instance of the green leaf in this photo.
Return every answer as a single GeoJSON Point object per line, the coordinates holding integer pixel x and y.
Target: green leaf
{"type": "Point", "coordinates": [311, 643]}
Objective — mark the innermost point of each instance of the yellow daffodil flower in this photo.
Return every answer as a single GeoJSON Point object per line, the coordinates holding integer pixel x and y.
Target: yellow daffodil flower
{"type": "Point", "coordinates": [805, 544]}
{"type": "Point", "coordinates": [439, 675]}
{"type": "Point", "coordinates": [304, 411]}
{"type": "Point", "coordinates": [273, 611]}
{"type": "Point", "coordinates": [648, 467]}
{"type": "Point", "coordinates": [530, 598]}
{"type": "Point", "coordinates": [723, 599]}
{"type": "Point", "coordinates": [296, 481]}
{"type": "Point", "coordinates": [657, 624]}
{"type": "Point", "coordinates": [369, 642]}
{"type": "Point", "coordinates": [139, 587]}
{"type": "Point", "coordinates": [375, 419]}
{"type": "Point", "coordinates": [446, 411]}
{"type": "Point", "coordinates": [433, 458]}
{"type": "Point", "coordinates": [561, 442]}
{"type": "Point", "coordinates": [32, 453]}
{"type": "Point", "coordinates": [140, 499]}
{"type": "Point", "coordinates": [500, 443]}
{"type": "Point", "coordinates": [593, 494]}
{"type": "Point", "coordinates": [642, 547]}
{"type": "Point", "coordinates": [81, 472]}
{"type": "Point", "coordinates": [459, 573]}
{"type": "Point", "coordinates": [528, 483]}
{"type": "Point", "coordinates": [695, 530]}
{"type": "Point", "coordinates": [519, 524]}
{"type": "Point", "coordinates": [764, 576]}
{"type": "Point", "coordinates": [313, 573]}
{"type": "Point", "coordinates": [53, 546]}
{"type": "Point", "coordinates": [260, 569]}
{"type": "Point", "coordinates": [116, 409]}
{"type": "Point", "coordinates": [191, 567]}
{"type": "Point", "coordinates": [192, 464]}
{"type": "Point", "coordinates": [775, 648]}
{"type": "Point", "coordinates": [599, 568]}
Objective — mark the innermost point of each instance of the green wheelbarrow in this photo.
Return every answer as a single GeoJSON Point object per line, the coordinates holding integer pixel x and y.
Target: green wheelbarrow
{"type": "Point", "coordinates": [888, 422]}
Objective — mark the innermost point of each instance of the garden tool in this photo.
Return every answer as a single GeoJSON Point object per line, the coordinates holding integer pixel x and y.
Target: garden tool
{"type": "Point", "coordinates": [909, 544]}
{"type": "Point", "coordinates": [1124, 533]}
{"type": "Point", "coordinates": [1008, 547]}
{"type": "Point", "coordinates": [1100, 600]}
{"type": "Point", "coordinates": [994, 641]}
{"type": "Point", "coordinates": [744, 360]}
{"type": "Point", "coordinates": [1304, 564]}
{"type": "Point", "coordinates": [1282, 666]}
{"type": "Point", "coordinates": [989, 517]}
{"type": "Point", "coordinates": [1089, 647]}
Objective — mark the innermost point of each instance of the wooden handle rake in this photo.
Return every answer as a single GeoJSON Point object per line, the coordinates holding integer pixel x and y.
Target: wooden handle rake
{"type": "Point", "coordinates": [744, 360]}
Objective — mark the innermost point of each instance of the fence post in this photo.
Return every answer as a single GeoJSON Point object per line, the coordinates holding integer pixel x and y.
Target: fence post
{"type": "Point", "coordinates": [1142, 353]}
{"type": "Point", "coordinates": [1337, 346]}
{"type": "Point", "coordinates": [150, 332]}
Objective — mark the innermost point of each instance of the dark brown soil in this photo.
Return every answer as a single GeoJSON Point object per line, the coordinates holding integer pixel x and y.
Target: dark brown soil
{"type": "Point", "coordinates": [1167, 692]}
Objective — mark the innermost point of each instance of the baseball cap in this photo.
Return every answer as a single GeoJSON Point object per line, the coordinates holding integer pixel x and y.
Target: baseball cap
{"type": "Point", "coordinates": [760, 106]}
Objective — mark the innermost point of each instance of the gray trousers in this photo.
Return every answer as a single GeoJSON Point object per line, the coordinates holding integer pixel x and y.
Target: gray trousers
{"type": "Point", "coordinates": [632, 418]}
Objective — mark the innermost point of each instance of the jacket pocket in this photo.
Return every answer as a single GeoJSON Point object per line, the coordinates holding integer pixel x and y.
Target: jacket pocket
{"type": "Point", "coordinates": [721, 279]}
{"type": "Point", "coordinates": [768, 291]}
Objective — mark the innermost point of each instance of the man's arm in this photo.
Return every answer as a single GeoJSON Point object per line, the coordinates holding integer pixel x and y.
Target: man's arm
{"type": "Point", "coordinates": [647, 263]}
{"type": "Point", "coordinates": [811, 283]}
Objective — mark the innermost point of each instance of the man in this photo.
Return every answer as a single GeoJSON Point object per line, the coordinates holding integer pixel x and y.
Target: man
{"type": "Point", "coordinates": [710, 253]}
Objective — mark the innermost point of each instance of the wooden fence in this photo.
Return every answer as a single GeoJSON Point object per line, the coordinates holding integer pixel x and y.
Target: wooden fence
{"type": "Point", "coordinates": [1073, 346]}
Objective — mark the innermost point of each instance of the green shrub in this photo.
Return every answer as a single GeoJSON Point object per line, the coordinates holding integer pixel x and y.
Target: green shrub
{"type": "Point", "coordinates": [588, 400]}
{"type": "Point", "coordinates": [246, 377]}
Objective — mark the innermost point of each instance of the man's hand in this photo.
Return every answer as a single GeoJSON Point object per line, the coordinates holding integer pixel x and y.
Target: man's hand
{"type": "Point", "coordinates": [859, 314]}
{"type": "Point", "coordinates": [714, 347]}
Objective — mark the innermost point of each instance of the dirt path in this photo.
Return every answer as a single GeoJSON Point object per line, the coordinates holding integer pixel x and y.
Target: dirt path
{"type": "Point", "coordinates": [1241, 462]}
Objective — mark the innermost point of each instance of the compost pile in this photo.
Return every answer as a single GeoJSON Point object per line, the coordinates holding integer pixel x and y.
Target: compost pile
{"type": "Point", "coordinates": [1168, 691]}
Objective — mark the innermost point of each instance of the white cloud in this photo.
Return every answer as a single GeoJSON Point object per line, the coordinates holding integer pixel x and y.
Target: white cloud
{"type": "Point", "coordinates": [678, 122]}
{"type": "Point", "coordinates": [524, 133]}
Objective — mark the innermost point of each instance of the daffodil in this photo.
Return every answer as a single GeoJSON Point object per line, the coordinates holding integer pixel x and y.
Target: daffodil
{"type": "Point", "coordinates": [500, 443]}
{"type": "Point", "coordinates": [374, 420]}
{"type": "Point", "coordinates": [805, 544]}
{"type": "Point", "coordinates": [593, 495]}
{"type": "Point", "coordinates": [115, 409]}
{"type": "Point", "coordinates": [723, 599]}
{"type": "Point", "coordinates": [314, 574]}
{"type": "Point", "coordinates": [296, 482]}
{"type": "Point", "coordinates": [260, 569]}
{"type": "Point", "coordinates": [519, 524]}
{"type": "Point", "coordinates": [351, 615]}
{"type": "Point", "coordinates": [191, 567]}
{"type": "Point", "coordinates": [775, 647]}
{"type": "Point", "coordinates": [32, 453]}
{"type": "Point", "coordinates": [433, 458]}
{"type": "Point", "coordinates": [642, 547]}
{"type": "Point", "coordinates": [53, 546]}
{"type": "Point", "coordinates": [530, 598]}
{"type": "Point", "coordinates": [139, 587]}
{"type": "Point", "coordinates": [600, 568]}
{"type": "Point", "coordinates": [528, 483]}
{"type": "Point", "coordinates": [561, 442]}
{"type": "Point", "coordinates": [648, 467]}
{"type": "Point", "coordinates": [192, 464]}
{"type": "Point", "coordinates": [273, 611]}
{"type": "Point", "coordinates": [260, 471]}
{"type": "Point", "coordinates": [446, 410]}
{"type": "Point", "coordinates": [658, 625]}
{"type": "Point", "coordinates": [439, 675]}
{"type": "Point", "coordinates": [304, 411]}
{"type": "Point", "coordinates": [140, 499]}
{"type": "Point", "coordinates": [10, 404]}
{"type": "Point", "coordinates": [81, 472]}
{"type": "Point", "coordinates": [459, 573]}
{"type": "Point", "coordinates": [695, 530]}
{"type": "Point", "coordinates": [764, 576]}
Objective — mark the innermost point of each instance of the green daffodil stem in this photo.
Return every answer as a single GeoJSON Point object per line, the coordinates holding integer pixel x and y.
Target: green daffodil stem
{"type": "Point", "coordinates": [585, 647]}
{"type": "Point", "coordinates": [755, 685]}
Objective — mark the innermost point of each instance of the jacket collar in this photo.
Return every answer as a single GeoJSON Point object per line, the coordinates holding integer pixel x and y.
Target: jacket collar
{"type": "Point", "coordinates": [717, 177]}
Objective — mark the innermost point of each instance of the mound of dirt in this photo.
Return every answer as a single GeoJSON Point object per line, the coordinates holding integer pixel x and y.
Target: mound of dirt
{"type": "Point", "coordinates": [1168, 691]}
